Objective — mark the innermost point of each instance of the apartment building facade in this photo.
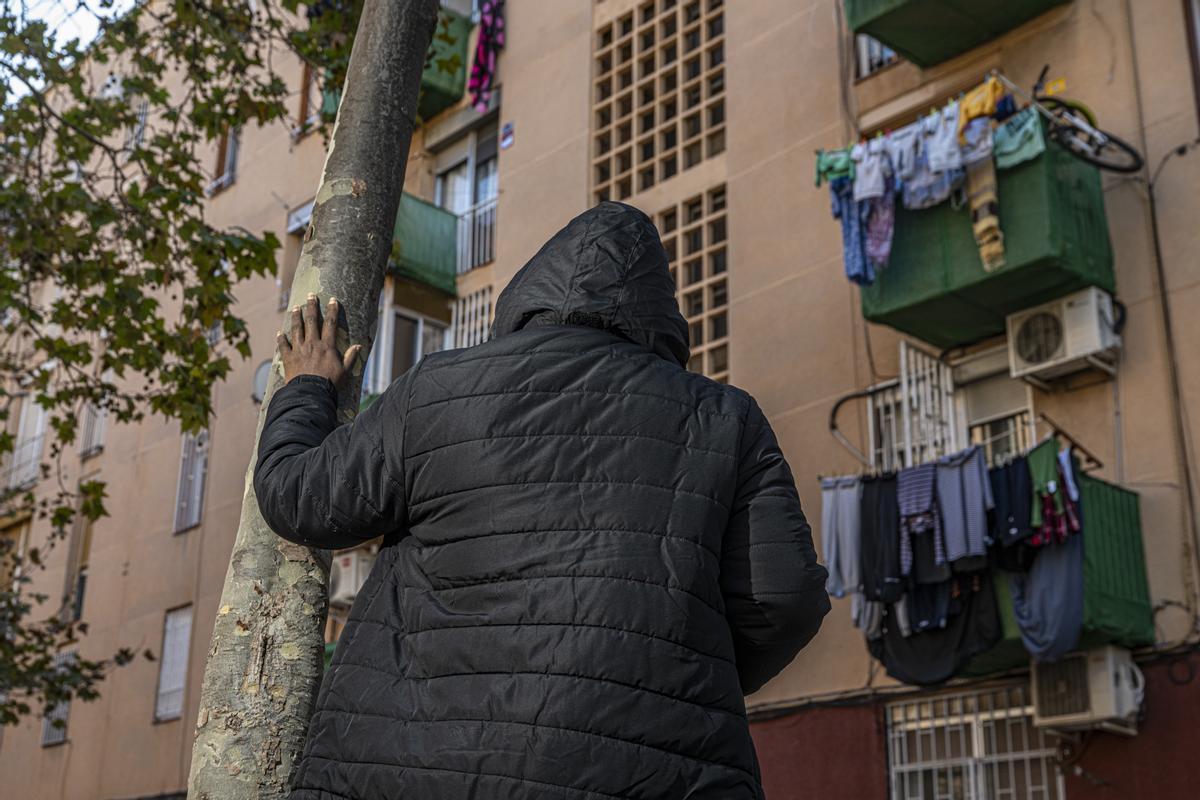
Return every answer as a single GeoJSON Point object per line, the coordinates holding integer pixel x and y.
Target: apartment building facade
{"type": "Point", "coordinates": [706, 114]}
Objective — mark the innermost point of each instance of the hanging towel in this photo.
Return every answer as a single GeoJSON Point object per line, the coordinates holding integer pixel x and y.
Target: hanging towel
{"type": "Point", "coordinates": [1019, 140]}
{"type": "Point", "coordinates": [871, 168]}
{"type": "Point", "coordinates": [902, 147]}
{"type": "Point", "coordinates": [881, 226]}
{"type": "Point", "coordinates": [834, 164]}
{"type": "Point", "coordinates": [487, 48]}
{"type": "Point", "coordinates": [985, 213]}
{"type": "Point", "coordinates": [941, 139]}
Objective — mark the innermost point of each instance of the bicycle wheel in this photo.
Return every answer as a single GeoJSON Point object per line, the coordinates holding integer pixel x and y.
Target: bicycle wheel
{"type": "Point", "coordinates": [1111, 153]}
{"type": "Point", "coordinates": [1057, 106]}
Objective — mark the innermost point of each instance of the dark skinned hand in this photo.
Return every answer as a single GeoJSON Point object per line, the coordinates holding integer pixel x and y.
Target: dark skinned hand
{"type": "Point", "coordinates": [312, 349]}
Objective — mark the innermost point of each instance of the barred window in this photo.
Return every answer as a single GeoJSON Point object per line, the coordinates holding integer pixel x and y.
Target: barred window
{"type": "Point", "coordinates": [970, 746]}
{"type": "Point", "coordinates": [472, 318]}
{"type": "Point", "coordinates": [54, 722]}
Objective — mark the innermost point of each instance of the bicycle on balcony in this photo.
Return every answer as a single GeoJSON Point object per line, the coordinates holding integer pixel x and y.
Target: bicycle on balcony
{"type": "Point", "coordinates": [1073, 125]}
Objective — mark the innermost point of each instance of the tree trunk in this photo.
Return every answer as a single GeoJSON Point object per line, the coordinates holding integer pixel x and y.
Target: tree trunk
{"type": "Point", "coordinates": [266, 658]}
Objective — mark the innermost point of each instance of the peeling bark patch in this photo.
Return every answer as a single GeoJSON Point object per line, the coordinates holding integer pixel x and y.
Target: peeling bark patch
{"type": "Point", "coordinates": [341, 187]}
{"type": "Point", "coordinates": [358, 187]}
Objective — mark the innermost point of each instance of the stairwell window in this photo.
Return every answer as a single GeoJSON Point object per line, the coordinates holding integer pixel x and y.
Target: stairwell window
{"type": "Point", "coordinates": [54, 721]}
{"type": "Point", "coordinates": [193, 470]}
{"type": "Point", "coordinates": [970, 746]}
{"type": "Point", "coordinates": [173, 664]}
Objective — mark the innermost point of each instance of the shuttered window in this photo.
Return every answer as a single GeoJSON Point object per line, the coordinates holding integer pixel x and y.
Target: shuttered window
{"type": "Point", "coordinates": [91, 436]}
{"type": "Point", "coordinates": [54, 723]}
{"type": "Point", "coordinates": [172, 666]}
{"type": "Point", "coordinates": [193, 468]}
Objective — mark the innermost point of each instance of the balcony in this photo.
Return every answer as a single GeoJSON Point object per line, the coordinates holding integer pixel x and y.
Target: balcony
{"type": "Point", "coordinates": [424, 244]}
{"type": "Point", "coordinates": [928, 32]}
{"type": "Point", "coordinates": [445, 75]}
{"type": "Point", "coordinates": [444, 78]}
{"type": "Point", "coordinates": [1116, 594]}
{"type": "Point", "coordinates": [1056, 241]}
{"type": "Point", "coordinates": [477, 236]}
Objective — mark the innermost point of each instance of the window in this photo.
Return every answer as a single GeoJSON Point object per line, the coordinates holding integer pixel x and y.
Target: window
{"type": "Point", "coordinates": [14, 540]}
{"type": "Point", "coordinates": [23, 464]}
{"type": "Point", "coordinates": [472, 318]}
{"type": "Point", "coordinates": [702, 286]}
{"type": "Point", "coordinates": [173, 664]}
{"type": "Point", "coordinates": [225, 170]}
{"type": "Point", "coordinates": [468, 188]}
{"type": "Point", "coordinates": [912, 419]}
{"type": "Point", "coordinates": [678, 51]}
{"type": "Point", "coordinates": [401, 339]}
{"type": "Point", "coordinates": [193, 469]}
{"type": "Point", "coordinates": [999, 416]}
{"type": "Point", "coordinates": [91, 436]}
{"type": "Point", "coordinates": [297, 224]}
{"type": "Point", "coordinates": [308, 114]}
{"type": "Point", "coordinates": [78, 556]}
{"type": "Point", "coordinates": [54, 722]}
{"type": "Point", "coordinates": [970, 746]}
{"type": "Point", "coordinates": [872, 55]}
{"type": "Point", "coordinates": [137, 132]}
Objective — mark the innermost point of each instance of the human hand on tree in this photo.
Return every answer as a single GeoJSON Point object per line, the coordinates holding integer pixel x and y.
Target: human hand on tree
{"type": "Point", "coordinates": [312, 349]}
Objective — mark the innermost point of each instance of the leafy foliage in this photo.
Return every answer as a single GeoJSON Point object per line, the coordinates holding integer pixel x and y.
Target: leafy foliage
{"type": "Point", "coordinates": [116, 291]}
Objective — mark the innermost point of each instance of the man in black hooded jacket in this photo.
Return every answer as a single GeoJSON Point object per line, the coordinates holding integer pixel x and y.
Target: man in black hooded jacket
{"type": "Point", "coordinates": [590, 553]}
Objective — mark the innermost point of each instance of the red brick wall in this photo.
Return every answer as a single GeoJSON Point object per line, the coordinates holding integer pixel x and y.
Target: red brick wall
{"type": "Point", "coordinates": [829, 753]}
{"type": "Point", "coordinates": [1163, 761]}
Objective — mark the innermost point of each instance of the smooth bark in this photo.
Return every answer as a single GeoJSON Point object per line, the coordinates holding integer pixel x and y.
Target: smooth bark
{"type": "Point", "coordinates": [265, 662]}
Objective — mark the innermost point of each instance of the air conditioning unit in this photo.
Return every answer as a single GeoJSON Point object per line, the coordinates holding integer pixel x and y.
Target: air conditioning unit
{"type": "Point", "coordinates": [1063, 336]}
{"type": "Point", "coordinates": [1098, 689]}
{"type": "Point", "coordinates": [347, 575]}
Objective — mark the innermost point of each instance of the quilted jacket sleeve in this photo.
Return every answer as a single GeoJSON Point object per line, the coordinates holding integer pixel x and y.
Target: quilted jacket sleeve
{"type": "Point", "coordinates": [325, 485]}
{"type": "Point", "coordinates": [774, 588]}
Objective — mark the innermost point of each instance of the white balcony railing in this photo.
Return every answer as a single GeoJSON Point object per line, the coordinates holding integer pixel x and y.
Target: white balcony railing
{"type": "Point", "coordinates": [477, 236]}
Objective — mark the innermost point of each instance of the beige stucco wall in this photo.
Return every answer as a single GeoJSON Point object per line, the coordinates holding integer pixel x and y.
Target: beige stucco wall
{"type": "Point", "coordinates": [797, 336]}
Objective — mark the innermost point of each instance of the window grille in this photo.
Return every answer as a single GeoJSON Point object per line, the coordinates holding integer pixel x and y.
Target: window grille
{"type": "Point", "coordinates": [172, 666]}
{"type": "Point", "coordinates": [472, 318]}
{"type": "Point", "coordinates": [979, 745]}
{"type": "Point", "coordinates": [912, 420]}
{"type": "Point", "coordinates": [695, 234]}
{"type": "Point", "coordinates": [193, 470]}
{"type": "Point", "coordinates": [91, 436]}
{"type": "Point", "coordinates": [54, 722]}
{"type": "Point", "coordinates": [658, 104]}
{"type": "Point", "coordinates": [872, 55]}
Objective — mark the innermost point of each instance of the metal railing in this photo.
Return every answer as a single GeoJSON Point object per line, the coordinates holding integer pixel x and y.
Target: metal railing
{"type": "Point", "coordinates": [20, 467]}
{"type": "Point", "coordinates": [477, 236]}
{"type": "Point", "coordinates": [872, 55]}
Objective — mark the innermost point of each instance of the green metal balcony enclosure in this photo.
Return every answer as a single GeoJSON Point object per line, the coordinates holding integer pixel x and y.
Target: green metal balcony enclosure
{"type": "Point", "coordinates": [424, 244]}
{"type": "Point", "coordinates": [444, 78]}
{"type": "Point", "coordinates": [928, 32]}
{"type": "Point", "coordinates": [1116, 593]}
{"type": "Point", "coordinates": [1056, 242]}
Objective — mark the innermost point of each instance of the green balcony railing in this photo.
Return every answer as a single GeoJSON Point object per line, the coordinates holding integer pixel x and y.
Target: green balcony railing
{"type": "Point", "coordinates": [1116, 594]}
{"type": "Point", "coordinates": [445, 75]}
{"type": "Point", "coordinates": [1056, 242]}
{"type": "Point", "coordinates": [424, 243]}
{"type": "Point", "coordinates": [928, 32]}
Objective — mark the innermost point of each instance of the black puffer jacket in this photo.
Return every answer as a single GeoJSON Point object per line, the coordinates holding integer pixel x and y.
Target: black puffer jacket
{"type": "Point", "coordinates": [591, 553]}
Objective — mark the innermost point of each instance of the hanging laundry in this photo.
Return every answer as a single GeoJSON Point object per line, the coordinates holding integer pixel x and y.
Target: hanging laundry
{"type": "Point", "coordinates": [840, 534]}
{"type": "Point", "coordinates": [941, 139]}
{"type": "Point", "coordinates": [1006, 106]}
{"type": "Point", "coordinates": [977, 141]}
{"type": "Point", "coordinates": [929, 605]}
{"type": "Point", "coordinates": [1012, 492]}
{"type": "Point", "coordinates": [1066, 468]}
{"type": "Point", "coordinates": [922, 551]}
{"type": "Point", "coordinates": [1055, 515]}
{"type": "Point", "coordinates": [1019, 140]}
{"type": "Point", "coordinates": [1048, 601]}
{"type": "Point", "coordinates": [937, 655]}
{"type": "Point", "coordinates": [898, 614]}
{"type": "Point", "coordinates": [926, 188]}
{"type": "Point", "coordinates": [487, 48]}
{"type": "Point", "coordinates": [853, 216]}
{"type": "Point", "coordinates": [867, 616]}
{"type": "Point", "coordinates": [834, 164]}
{"type": "Point", "coordinates": [880, 545]}
{"type": "Point", "coordinates": [985, 213]}
{"type": "Point", "coordinates": [964, 496]}
{"type": "Point", "coordinates": [871, 168]}
{"type": "Point", "coordinates": [979, 102]}
{"type": "Point", "coordinates": [881, 226]}
{"type": "Point", "coordinates": [903, 147]}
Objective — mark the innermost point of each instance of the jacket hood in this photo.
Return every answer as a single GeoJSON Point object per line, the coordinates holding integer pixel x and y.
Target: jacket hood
{"type": "Point", "coordinates": [606, 269]}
